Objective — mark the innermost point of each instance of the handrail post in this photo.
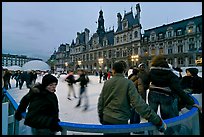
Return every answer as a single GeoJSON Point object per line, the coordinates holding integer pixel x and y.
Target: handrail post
{"type": "Point", "coordinates": [5, 118]}
{"type": "Point", "coordinates": [195, 123]}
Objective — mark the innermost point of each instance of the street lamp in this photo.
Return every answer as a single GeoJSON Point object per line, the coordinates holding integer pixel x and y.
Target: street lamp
{"type": "Point", "coordinates": [134, 58]}
{"type": "Point", "coordinates": [79, 62]}
{"type": "Point", "coordinates": [66, 64]}
{"type": "Point", "coordinates": [100, 61]}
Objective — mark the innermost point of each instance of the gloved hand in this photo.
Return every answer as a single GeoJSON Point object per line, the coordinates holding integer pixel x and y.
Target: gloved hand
{"type": "Point", "coordinates": [18, 115]}
{"type": "Point", "coordinates": [199, 107]}
{"type": "Point", "coordinates": [162, 126]}
{"type": "Point", "coordinates": [55, 127]}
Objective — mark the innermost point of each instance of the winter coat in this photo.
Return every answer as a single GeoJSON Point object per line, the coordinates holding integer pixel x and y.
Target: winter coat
{"type": "Point", "coordinates": [43, 110]}
{"type": "Point", "coordinates": [192, 83]}
{"type": "Point", "coordinates": [143, 85]}
{"type": "Point", "coordinates": [117, 98]}
{"type": "Point", "coordinates": [70, 79]}
{"type": "Point", "coordinates": [83, 80]}
{"type": "Point", "coordinates": [164, 77]}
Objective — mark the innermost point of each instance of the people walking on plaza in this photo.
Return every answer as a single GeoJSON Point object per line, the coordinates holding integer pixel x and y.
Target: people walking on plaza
{"type": "Point", "coordinates": [71, 80]}
{"type": "Point", "coordinates": [164, 91]}
{"type": "Point", "coordinates": [43, 110]}
{"type": "Point", "coordinates": [83, 93]}
{"type": "Point", "coordinates": [109, 74]}
{"type": "Point", "coordinates": [16, 76]}
{"type": "Point", "coordinates": [105, 76]}
{"type": "Point", "coordinates": [7, 77]}
{"type": "Point", "coordinates": [34, 76]}
{"type": "Point", "coordinates": [23, 78]}
{"type": "Point", "coordinates": [118, 96]}
{"type": "Point", "coordinates": [100, 76]}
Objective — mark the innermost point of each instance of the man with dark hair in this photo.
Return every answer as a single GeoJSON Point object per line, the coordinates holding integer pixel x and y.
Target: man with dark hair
{"type": "Point", "coordinates": [118, 96]}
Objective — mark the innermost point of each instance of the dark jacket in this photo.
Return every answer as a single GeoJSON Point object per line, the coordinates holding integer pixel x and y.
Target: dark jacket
{"type": "Point", "coordinates": [70, 79]}
{"type": "Point", "coordinates": [192, 83]}
{"type": "Point", "coordinates": [164, 77]}
{"type": "Point", "coordinates": [117, 98]}
{"type": "Point", "coordinates": [43, 110]}
{"type": "Point", "coordinates": [82, 79]}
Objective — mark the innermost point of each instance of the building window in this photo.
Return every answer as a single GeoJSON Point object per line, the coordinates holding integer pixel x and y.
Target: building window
{"type": "Point", "coordinates": [191, 47]}
{"type": "Point", "coordinates": [191, 60]}
{"type": "Point", "coordinates": [190, 29]}
{"type": "Point", "coordinates": [170, 61]}
{"type": "Point", "coordinates": [117, 39]}
{"type": "Point", "coordinates": [145, 39]}
{"type": "Point", "coordinates": [191, 39]}
{"type": "Point", "coordinates": [136, 34]}
{"type": "Point", "coordinates": [179, 41]}
{"type": "Point", "coordinates": [160, 35]}
{"type": "Point", "coordinates": [152, 38]}
{"type": "Point", "coordinates": [124, 38]}
{"type": "Point", "coordinates": [179, 32]}
{"type": "Point", "coordinates": [130, 36]}
{"type": "Point", "coordinates": [180, 61]}
{"type": "Point", "coordinates": [153, 51]}
{"type": "Point", "coordinates": [170, 51]}
{"type": "Point", "coordinates": [109, 53]}
{"type": "Point", "coordinates": [180, 49]}
{"type": "Point", "coordinates": [161, 51]}
{"type": "Point", "coordinates": [169, 34]}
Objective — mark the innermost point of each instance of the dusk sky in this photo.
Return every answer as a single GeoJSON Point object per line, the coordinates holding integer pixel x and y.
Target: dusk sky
{"type": "Point", "coordinates": [36, 29]}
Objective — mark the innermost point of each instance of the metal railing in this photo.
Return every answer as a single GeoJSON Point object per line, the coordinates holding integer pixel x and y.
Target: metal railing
{"type": "Point", "coordinates": [188, 122]}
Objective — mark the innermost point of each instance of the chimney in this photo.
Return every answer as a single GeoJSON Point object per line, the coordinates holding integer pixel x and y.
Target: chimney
{"type": "Point", "coordinates": [86, 35]}
{"type": "Point", "coordinates": [119, 19]}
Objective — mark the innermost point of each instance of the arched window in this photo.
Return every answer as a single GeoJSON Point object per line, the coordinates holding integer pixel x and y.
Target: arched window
{"type": "Point", "coordinates": [136, 34]}
{"type": "Point", "coordinates": [124, 38]}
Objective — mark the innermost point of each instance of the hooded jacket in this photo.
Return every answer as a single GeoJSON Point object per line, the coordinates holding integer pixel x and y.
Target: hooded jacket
{"type": "Point", "coordinates": [43, 111]}
{"type": "Point", "coordinates": [164, 77]}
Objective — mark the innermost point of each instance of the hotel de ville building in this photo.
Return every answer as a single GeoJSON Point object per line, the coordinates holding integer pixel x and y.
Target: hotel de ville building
{"type": "Point", "coordinates": [180, 42]}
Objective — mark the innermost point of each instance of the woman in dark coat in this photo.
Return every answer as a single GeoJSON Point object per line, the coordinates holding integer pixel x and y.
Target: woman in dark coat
{"type": "Point", "coordinates": [43, 110]}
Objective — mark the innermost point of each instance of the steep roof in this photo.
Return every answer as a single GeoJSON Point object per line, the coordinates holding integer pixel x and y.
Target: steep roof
{"type": "Point", "coordinates": [131, 20]}
{"type": "Point", "coordinates": [110, 37]}
{"type": "Point", "coordinates": [175, 25]}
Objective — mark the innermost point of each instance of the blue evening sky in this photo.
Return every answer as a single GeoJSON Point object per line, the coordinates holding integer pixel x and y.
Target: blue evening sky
{"type": "Point", "coordinates": [36, 29]}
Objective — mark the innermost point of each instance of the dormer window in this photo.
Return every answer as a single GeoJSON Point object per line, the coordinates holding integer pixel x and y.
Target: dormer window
{"type": "Point", "coordinates": [190, 29]}
{"type": "Point", "coordinates": [125, 24]}
{"type": "Point", "coordinates": [179, 32]}
{"type": "Point", "coordinates": [160, 35]}
{"type": "Point", "coordinates": [169, 34]}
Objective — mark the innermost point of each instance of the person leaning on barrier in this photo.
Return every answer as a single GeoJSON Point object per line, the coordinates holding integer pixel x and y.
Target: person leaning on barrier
{"type": "Point", "coordinates": [165, 90]}
{"type": "Point", "coordinates": [43, 110]}
{"type": "Point", "coordinates": [118, 96]}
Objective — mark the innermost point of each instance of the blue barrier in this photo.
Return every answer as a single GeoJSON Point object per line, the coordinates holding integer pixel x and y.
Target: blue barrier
{"type": "Point", "coordinates": [125, 128]}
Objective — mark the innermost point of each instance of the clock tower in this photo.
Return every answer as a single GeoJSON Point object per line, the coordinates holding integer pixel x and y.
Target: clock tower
{"type": "Point", "coordinates": [101, 29]}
